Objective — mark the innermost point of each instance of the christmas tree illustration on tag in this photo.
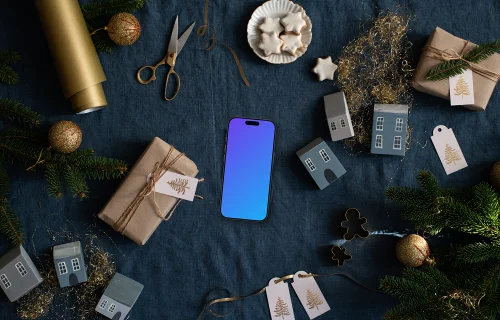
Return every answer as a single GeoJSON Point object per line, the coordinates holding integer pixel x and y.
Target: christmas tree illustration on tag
{"type": "Point", "coordinates": [448, 150]}
{"type": "Point", "coordinates": [278, 298]}
{"type": "Point", "coordinates": [176, 185]}
{"type": "Point", "coordinates": [309, 294]}
{"type": "Point", "coordinates": [462, 89]}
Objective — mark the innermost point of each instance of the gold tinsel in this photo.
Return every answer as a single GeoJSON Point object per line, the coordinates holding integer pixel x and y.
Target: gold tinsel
{"type": "Point", "coordinates": [374, 68]}
{"type": "Point", "coordinates": [76, 302]}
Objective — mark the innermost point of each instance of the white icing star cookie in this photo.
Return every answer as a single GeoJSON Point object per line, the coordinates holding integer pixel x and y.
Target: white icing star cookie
{"type": "Point", "coordinates": [293, 22]}
{"type": "Point", "coordinates": [291, 43]}
{"type": "Point", "coordinates": [271, 25]}
{"type": "Point", "coordinates": [270, 43]}
{"type": "Point", "coordinates": [325, 68]}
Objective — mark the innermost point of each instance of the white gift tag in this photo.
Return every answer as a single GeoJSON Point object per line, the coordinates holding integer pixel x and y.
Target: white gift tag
{"type": "Point", "coordinates": [448, 150]}
{"type": "Point", "coordinates": [278, 298]}
{"type": "Point", "coordinates": [462, 89]}
{"type": "Point", "coordinates": [310, 295]}
{"type": "Point", "coordinates": [176, 185]}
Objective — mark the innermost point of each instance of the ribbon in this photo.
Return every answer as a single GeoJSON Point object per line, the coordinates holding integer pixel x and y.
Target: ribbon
{"type": "Point", "coordinates": [450, 55]}
{"type": "Point", "coordinates": [158, 171]}
{"type": "Point", "coordinates": [261, 291]}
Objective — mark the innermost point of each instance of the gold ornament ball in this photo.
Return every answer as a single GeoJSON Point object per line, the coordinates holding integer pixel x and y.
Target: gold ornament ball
{"type": "Point", "coordinates": [124, 29]}
{"type": "Point", "coordinates": [495, 176]}
{"type": "Point", "coordinates": [412, 250]}
{"type": "Point", "coordinates": [65, 136]}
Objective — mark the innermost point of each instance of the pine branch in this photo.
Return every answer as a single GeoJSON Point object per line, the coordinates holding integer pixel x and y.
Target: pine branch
{"type": "Point", "coordinates": [95, 10]}
{"type": "Point", "coordinates": [76, 182]}
{"type": "Point", "coordinates": [8, 75]}
{"type": "Point", "coordinates": [453, 68]}
{"type": "Point", "coordinates": [53, 179]}
{"type": "Point", "coordinates": [9, 57]}
{"type": "Point", "coordinates": [478, 252]}
{"type": "Point", "coordinates": [10, 225]}
{"type": "Point", "coordinates": [19, 145]}
{"type": "Point", "coordinates": [17, 112]}
{"type": "Point", "coordinates": [103, 42]}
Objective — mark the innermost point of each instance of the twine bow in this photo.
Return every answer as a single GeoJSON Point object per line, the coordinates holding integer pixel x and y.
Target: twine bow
{"type": "Point", "coordinates": [158, 171]}
{"type": "Point", "coordinates": [451, 54]}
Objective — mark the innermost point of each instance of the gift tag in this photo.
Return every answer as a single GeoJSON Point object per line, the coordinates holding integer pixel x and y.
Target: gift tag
{"type": "Point", "coordinates": [278, 298]}
{"type": "Point", "coordinates": [462, 89]}
{"type": "Point", "coordinates": [176, 185]}
{"type": "Point", "coordinates": [448, 149]}
{"type": "Point", "coordinates": [310, 295]}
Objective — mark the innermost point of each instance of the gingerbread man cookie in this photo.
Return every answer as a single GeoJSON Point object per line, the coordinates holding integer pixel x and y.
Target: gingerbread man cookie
{"type": "Point", "coordinates": [293, 22]}
{"type": "Point", "coordinates": [271, 25]}
{"type": "Point", "coordinates": [291, 43]}
{"type": "Point", "coordinates": [325, 68]}
{"type": "Point", "coordinates": [270, 43]}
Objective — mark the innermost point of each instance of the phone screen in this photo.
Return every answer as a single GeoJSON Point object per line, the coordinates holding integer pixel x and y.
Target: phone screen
{"type": "Point", "coordinates": [247, 171]}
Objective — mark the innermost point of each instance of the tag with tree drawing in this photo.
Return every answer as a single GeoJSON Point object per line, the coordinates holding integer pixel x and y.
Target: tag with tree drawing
{"type": "Point", "coordinates": [462, 89]}
{"type": "Point", "coordinates": [448, 150]}
{"type": "Point", "coordinates": [310, 295]}
{"type": "Point", "coordinates": [278, 298]}
{"type": "Point", "coordinates": [177, 185]}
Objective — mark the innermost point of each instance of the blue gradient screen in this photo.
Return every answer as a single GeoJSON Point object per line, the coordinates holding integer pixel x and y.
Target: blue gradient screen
{"type": "Point", "coordinates": [247, 174]}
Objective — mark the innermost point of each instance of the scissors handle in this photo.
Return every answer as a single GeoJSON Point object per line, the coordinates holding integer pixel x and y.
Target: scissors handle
{"type": "Point", "coordinates": [172, 72]}
{"type": "Point", "coordinates": [153, 72]}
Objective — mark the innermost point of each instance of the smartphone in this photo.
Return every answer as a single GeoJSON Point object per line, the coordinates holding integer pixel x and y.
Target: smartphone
{"type": "Point", "coordinates": [247, 169]}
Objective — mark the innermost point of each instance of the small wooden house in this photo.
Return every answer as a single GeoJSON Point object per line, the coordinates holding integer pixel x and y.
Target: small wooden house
{"type": "Point", "coordinates": [389, 129]}
{"type": "Point", "coordinates": [18, 274]}
{"type": "Point", "coordinates": [119, 297]}
{"type": "Point", "coordinates": [321, 163]}
{"type": "Point", "coordinates": [338, 117]}
{"type": "Point", "coordinates": [70, 264]}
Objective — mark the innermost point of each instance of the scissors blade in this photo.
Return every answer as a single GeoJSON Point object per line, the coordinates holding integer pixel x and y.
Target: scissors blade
{"type": "Point", "coordinates": [172, 46]}
{"type": "Point", "coordinates": [184, 37]}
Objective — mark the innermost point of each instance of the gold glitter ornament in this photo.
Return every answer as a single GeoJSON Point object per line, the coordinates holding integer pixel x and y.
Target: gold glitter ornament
{"type": "Point", "coordinates": [413, 251]}
{"type": "Point", "coordinates": [124, 29]}
{"type": "Point", "coordinates": [495, 176]}
{"type": "Point", "coordinates": [65, 136]}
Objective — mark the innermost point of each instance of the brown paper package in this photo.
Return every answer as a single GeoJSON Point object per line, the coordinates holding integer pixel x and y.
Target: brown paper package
{"type": "Point", "coordinates": [442, 40]}
{"type": "Point", "coordinates": [145, 220]}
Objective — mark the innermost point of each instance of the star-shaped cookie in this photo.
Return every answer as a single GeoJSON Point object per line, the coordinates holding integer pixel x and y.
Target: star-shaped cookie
{"type": "Point", "coordinates": [293, 22]}
{"type": "Point", "coordinates": [291, 43]}
{"type": "Point", "coordinates": [270, 43]}
{"type": "Point", "coordinates": [271, 25]}
{"type": "Point", "coordinates": [325, 68]}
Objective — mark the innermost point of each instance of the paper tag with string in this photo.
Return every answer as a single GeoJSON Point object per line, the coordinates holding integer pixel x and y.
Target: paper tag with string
{"type": "Point", "coordinates": [310, 295]}
{"type": "Point", "coordinates": [176, 185]}
{"type": "Point", "coordinates": [278, 298]}
{"type": "Point", "coordinates": [462, 89]}
{"type": "Point", "coordinates": [448, 150]}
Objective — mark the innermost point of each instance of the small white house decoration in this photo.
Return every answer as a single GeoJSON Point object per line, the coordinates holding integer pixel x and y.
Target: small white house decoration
{"type": "Point", "coordinates": [69, 264]}
{"type": "Point", "coordinates": [119, 297]}
{"type": "Point", "coordinates": [338, 117]}
{"type": "Point", "coordinates": [389, 129]}
{"type": "Point", "coordinates": [18, 274]}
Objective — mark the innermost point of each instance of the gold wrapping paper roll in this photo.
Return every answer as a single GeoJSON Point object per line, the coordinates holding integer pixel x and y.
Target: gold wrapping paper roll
{"type": "Point", "coordinates": [75, 58]}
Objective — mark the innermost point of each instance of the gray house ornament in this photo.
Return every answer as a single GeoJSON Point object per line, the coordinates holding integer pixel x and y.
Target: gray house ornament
{"type": "Point", "coordinates": [389, 129]}
{"type": "Point", "coordinates": [321, 163]}
{"type": "Point", "coordinates": [69, 264]}
{"type": "Point", "coordinates": [119, 297]}
{"type": "Point", "coordinates": [18, 274]}
{"type": "Point", "coordinates": [338, 117]}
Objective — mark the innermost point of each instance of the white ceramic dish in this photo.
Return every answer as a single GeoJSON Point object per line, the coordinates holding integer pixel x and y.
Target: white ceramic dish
{"type": "Point", "coordinates": [277, 9]}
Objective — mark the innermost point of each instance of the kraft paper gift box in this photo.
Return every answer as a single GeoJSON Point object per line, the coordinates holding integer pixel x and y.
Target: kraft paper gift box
{"type": "Point", "coordinates": [442, 40]}
{"type": "Point", "coordinates": [145, 219]}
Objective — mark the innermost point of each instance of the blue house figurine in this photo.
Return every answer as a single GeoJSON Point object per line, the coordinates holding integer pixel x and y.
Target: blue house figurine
{"type": "Point", "coordinates": [70, 264]}
{"type": "Point", "coordinates": [389, 129]}
{"type": "Point", "coordinates": [338, 117]}
{"type": "Point", "coordinates": [18, 274]}
{"type": "Point", "coordinates": [322, 164]}
{"type": "Point", "coordinates": [119, 297]}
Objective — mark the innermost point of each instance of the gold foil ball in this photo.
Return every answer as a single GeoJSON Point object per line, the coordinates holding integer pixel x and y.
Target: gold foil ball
{"type": "Point", "coordinates": [65, 136]}
{"type": "Point", "coordinates": [412, 250]}
{"type": "Point", "coordinates": [124, 29]}
{"type": "Point", "coordinates": [495, 176]}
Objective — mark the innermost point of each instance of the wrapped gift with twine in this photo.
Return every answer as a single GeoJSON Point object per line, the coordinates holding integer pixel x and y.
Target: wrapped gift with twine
{"type": "Point", "coordinates": [136, 209]}
{"type": "Point", "coordinates": [443, 46]}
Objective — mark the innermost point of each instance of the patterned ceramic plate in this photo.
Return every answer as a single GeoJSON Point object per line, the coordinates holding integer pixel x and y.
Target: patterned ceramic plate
{"type": "Point", "coordinates": [277, 9]}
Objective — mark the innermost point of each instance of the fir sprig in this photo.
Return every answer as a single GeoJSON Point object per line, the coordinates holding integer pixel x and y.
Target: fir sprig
{"type": "Point", "coordinates": [10, 224]}
{"type": "Point", "coordinates": [7, 74]}
{"type": "Point", "coordinates": [17, 112]}
{"type": "Point", "coordinates": [451, 68]}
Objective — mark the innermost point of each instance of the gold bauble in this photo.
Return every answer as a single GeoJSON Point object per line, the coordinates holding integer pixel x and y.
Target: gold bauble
{"type": "Point", "coordinates": [124, 29]}
{"type": "Point", "coordinates": [495, 176]}
{"type": "Point", "coordinates": [65, 136]}
{"type": "Point", "coordinates": [412, 250]}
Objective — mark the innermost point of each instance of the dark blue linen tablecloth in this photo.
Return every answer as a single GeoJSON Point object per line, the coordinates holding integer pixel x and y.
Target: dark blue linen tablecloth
{"type": "Point", "coordinates": [198, 250]}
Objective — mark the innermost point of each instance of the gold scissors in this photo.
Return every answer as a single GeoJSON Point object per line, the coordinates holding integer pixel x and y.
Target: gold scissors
{"type": "Point", "coordinates": [174, 48]}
